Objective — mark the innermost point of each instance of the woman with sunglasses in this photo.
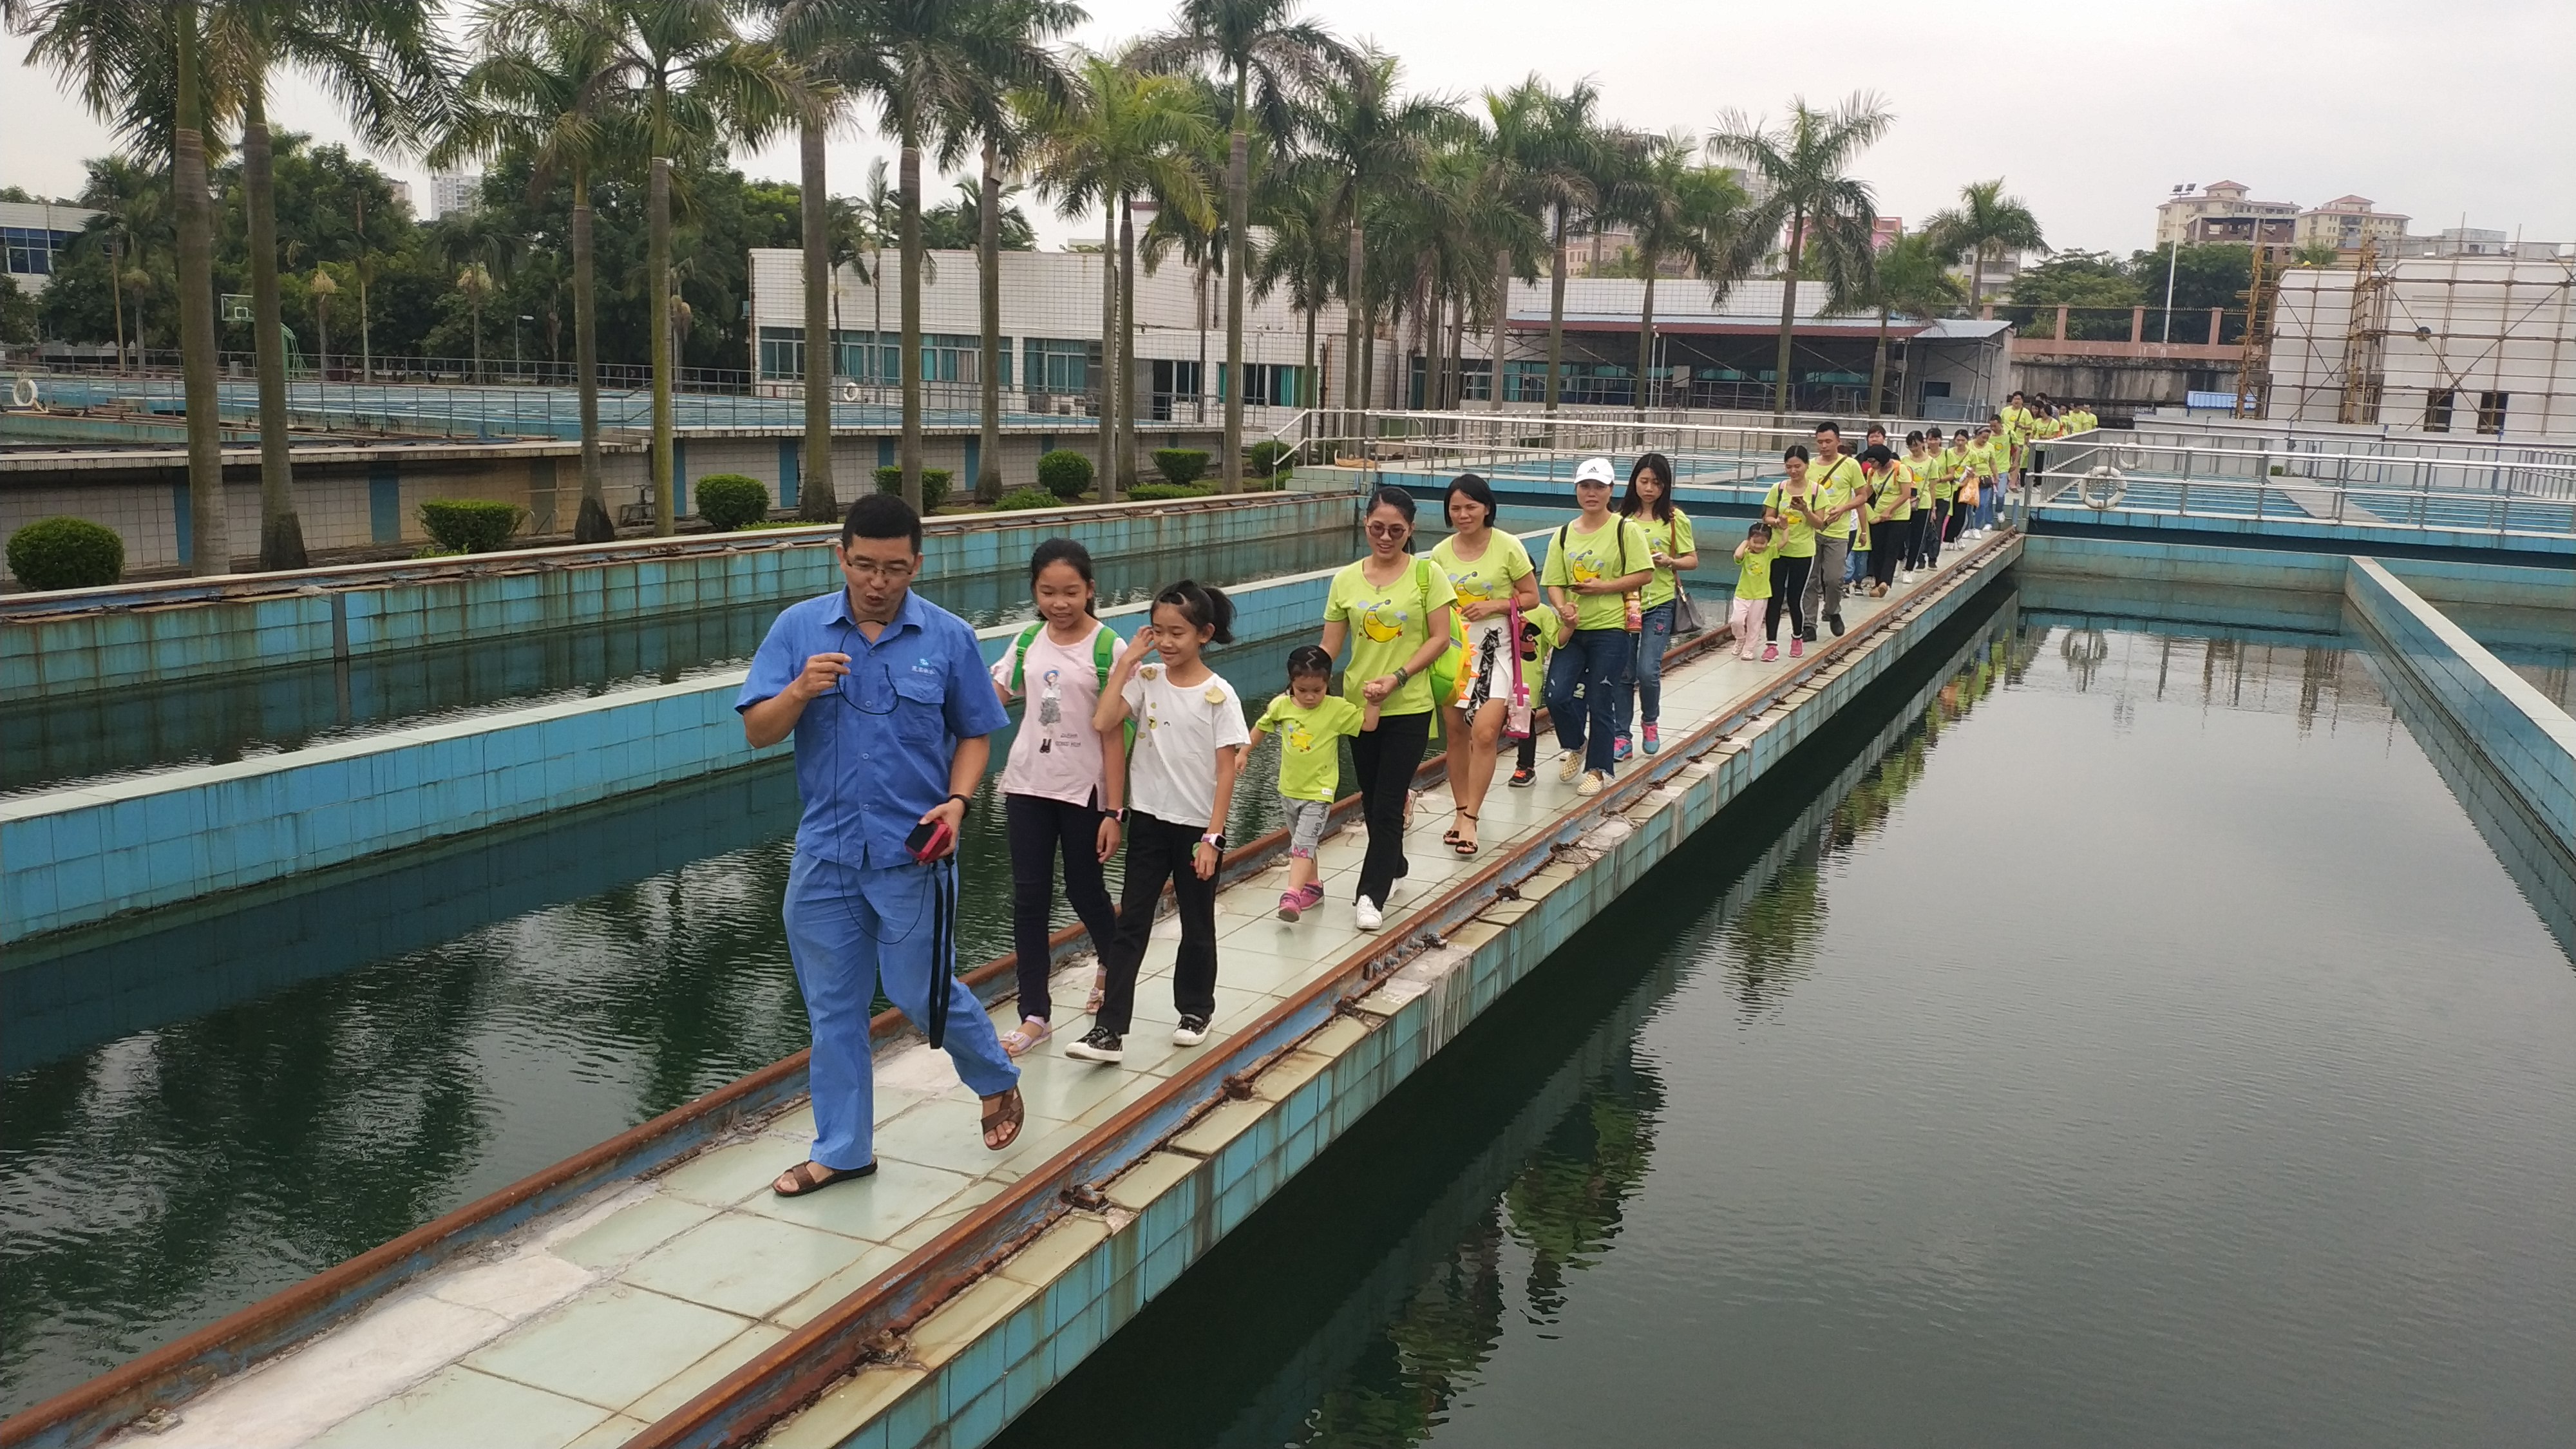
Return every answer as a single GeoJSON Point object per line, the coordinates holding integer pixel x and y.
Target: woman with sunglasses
{"type": "Point", "coordinates": [1394, 611]}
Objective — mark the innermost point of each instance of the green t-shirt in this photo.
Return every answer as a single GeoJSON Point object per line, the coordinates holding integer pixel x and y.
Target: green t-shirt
{"type": "Point", "coordinates": [1610, 552]}
{"type": "Point", "coordinates": [1835, 486]}
{"type": "Point", "coordinates": [1673, 539]}
{"type": "Point", "coordinates": [1310, 749]}
{"type": "Point", "coordinates": [1753, 571]}
{"type": "Point", "coordinates": [1388, 627]}
{"type": "Point", "coordinates": [1797, 538]}
{"type": "Point", "coordinates": [1504, 563]}
{"type": "Point", "coordinates": [1904, 490]}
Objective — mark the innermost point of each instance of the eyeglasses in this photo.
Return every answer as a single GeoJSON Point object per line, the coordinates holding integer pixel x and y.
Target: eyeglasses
{"type": "Point", "coordinates": [1389, 530]}
{"type": "Point", "coordinates": [893, 573]}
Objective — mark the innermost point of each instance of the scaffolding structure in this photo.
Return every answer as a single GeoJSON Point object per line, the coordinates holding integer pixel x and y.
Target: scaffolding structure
{"type": "Point", "coordinates": [2254, 369]}
{"type": "Point", "coordinates": [2467, 344]}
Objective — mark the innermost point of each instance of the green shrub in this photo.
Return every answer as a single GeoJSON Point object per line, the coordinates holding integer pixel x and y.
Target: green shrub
{"type": "Point", "coordinates": [431, 550]}
{"type": "Point", "coordinates": [471, 525]}
{"type": "Point", "coordinates": [1065, 473]}
{"type": "Point", "coordinates": [1166, 492]}
{"type": "Point", "coordinates": [934, 484]}
{"type": "Point", "coordinates": [66, 553]}
{"type": "Point", "coordinates": [1024, 498]}
{"type": "Point", "coordinates": [1180, 465]}
{"type": "Point", "coordinates": [1265, 458]}
{"type": "Point", "coordinates": [728, 501]}
{"type": "Point", "coordinates": [777, 523]}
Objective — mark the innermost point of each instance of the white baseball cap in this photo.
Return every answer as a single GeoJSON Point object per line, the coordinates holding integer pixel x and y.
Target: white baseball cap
{"type": "Point", "coordinates": [1596, 470]}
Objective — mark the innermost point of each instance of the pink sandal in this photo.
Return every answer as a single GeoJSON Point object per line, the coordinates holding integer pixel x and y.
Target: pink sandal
{"type": "Point", "coordinates": [1024, 1038]}
{"type": "Point", "coordinates": [1099, 989]}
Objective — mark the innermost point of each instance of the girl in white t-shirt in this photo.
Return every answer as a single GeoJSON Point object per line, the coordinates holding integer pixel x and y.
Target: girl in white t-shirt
{"type": "Point", "coordinates": [1190, 736]}
{"type": "Point", "coordinates": [1062, 788]}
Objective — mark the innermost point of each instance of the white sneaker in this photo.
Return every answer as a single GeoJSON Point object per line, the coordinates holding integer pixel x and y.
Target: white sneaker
{"type": "Point", "coordinates": [1191, 1031]}
{"type": "Point", "coordinates": [1365, 915]}
{"type": "Point", "coordinates": [1569, 765]}
{"type": "Point", "coordinates": [1905, 576]}
{"type": "Point", "coordinates": [1591, 784]}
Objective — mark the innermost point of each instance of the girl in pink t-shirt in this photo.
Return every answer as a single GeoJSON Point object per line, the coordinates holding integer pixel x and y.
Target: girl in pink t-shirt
{"type": "Point", "coordinates": [1060, 788]}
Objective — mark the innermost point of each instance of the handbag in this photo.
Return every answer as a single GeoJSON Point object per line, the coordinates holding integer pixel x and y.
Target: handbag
{"type": "Point", "coordinates": [1518, 718]}
{"type": "Point", "coordinates": [1686, 615]}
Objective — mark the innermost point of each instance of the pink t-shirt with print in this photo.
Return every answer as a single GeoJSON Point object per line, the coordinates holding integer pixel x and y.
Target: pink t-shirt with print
{"type": "Point", "coordinates": [1057, 760]}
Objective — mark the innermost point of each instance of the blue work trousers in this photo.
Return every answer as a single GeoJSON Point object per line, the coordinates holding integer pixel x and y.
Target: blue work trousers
{"type": "Point", "coordinates": [849, 929]}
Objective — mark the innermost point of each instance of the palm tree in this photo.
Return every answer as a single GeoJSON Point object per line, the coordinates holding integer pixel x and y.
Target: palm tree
{"type": "Point", "coordinates": [677, 77]}
{"type": "Point", "coordinates": [133, 202]}
{"type": "Point", "coordinates": [1558, 154]}
{"type": "Point", "coordinates": [861, 227]}
{"type": "Point", "coordinates": [1373, 143]}
{"type": "Point", "coordinates": [1797, 168]}
{"type": "Point", "coordinates": [832, 45]}
{"type": "Point", "coordinates": [1683, 210]}
{"type": "Point", "coordinates": [1008, 41]}
{"type": "Point", "coordinates": [1269, 59]}
{"type": "Point", "coordinates": [1113, 135]}
{"type": "Point", "coordinates": [384, 61]}
{"type": "Point", "coordinates": [531, 92]}
{"type": "Point", "coordinates": [1302, 254]}
{"type": "Point", "coordinates": [149, 72]}
{"type": "Point", "coordinates": [475, 285]}
{"type": "Point", "coordinates": [1986, 223]}
{"type": "Point", "coordinates": [1910, 277]}
{"type": "Point", "coordinates": [1512, 195]}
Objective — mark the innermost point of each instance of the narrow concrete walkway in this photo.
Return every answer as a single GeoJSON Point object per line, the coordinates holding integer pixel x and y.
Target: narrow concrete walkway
{"type": "Point", "coordinates": [586, 1326]}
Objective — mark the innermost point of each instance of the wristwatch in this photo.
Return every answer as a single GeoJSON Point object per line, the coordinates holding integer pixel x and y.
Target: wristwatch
{"type": "Point", "coordinates": [1213, 839]}
{"type": "Point", "coordinates": [964, 801]}
{"type": "Point", "coordinates": [1119, 814]}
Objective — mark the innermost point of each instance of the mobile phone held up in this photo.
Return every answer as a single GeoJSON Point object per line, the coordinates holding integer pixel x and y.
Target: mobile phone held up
{"type": "Point", "coordinates": [929, 840]}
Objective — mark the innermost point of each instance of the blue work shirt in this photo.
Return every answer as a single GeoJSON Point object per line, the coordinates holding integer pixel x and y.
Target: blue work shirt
{"type": "Point", "coordinates": [872, 756]}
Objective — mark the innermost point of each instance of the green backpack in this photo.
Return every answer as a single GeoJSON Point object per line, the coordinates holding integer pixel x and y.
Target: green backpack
{"type": "Point", "coordinates": [1104, 654]}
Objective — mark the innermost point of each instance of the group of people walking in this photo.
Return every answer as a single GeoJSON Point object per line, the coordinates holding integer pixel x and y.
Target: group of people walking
{"type": "Point", "coordinates": [1140, 744]}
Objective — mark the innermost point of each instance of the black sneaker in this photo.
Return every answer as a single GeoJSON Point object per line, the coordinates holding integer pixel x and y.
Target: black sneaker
{"type": "Point", "coordinates": [1836, 624]}
{"type": "Point", "coordinates": [1808, 633]}
{"type": "Point", "coordinates": [1523, 779]}
{"type": "Point", "coordinates": [1191, 1031]}
{"type": "Point", "coordinates": [1099, 1045]}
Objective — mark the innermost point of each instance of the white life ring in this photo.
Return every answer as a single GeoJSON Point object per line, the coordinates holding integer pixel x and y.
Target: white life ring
{"type": "Point", "coordinates": [2115, 487]}
{"type": "Point", "coordinates": [849, 392]}
{"type": "Point", "coordinates": [25, 393]}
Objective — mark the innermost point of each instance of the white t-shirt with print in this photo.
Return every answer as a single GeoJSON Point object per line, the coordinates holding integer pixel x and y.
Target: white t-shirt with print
{"type": "Point", "coordinates": [1058, 761]}
{"type": "Point", "coordinates": [1171, 773]}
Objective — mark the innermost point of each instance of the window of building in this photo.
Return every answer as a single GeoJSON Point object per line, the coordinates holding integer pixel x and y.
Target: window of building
{"type": "Point", "coordinates": [31, 250]}
{"type": "Point", "coordinates": [2437, 410]}
{"type": "Point", "coordinates": [2491, 412]}
{"type": "Point", "coordinates": [1060, 365]}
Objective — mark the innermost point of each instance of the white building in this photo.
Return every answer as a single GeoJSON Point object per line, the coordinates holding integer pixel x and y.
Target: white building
{"type": "Point", "coordinates": [33, 235]}
{"type": "Point", "coordinates": [2218, 212]}
{"type": "Point", "coordinates": [451, 191]}
{"type": "Point", "coordinates": [2457, 343]}
{"type": "Point", "coordinates": [2345, 223]}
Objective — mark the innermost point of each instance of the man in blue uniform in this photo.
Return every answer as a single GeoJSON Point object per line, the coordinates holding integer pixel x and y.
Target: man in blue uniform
{"type": "Point", "coordinates": [887, 697]}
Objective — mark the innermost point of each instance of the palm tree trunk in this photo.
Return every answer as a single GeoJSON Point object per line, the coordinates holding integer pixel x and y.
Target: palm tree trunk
{"type": "Point", "coordinates": [988, 250]}
{"type": "Point", "coordinates": [1108, 403]}
{"type": "Point", "coordinates": [366, 346]}
{"type": "Point", "coordinates": [1238, 211]}
{"type": "Point", "coordinates": [1355, 339]}
{"type": "Point", "coordinates": [281, 537]}
{"type": "Point", "coordinates": [1878, 364]}
{"type": "Point", "coordinates": [1126, 344]}
{"type": "Point", "coordinates": [908, 225]}
{"type": "Point", "coordinates": [1977, 282]}
{"type": "Point", "coordinates": [1788, 312]}
{"type": "Point", "coordinates": [1502, 317]}
{"type": "Point", "coordinates": [815, 502]}
{"type": "Point", "coordinates": [209, 539]}
{"type": "Point", "coordinates": [593, 526]}
{"type": "Point", "coordinates": [1646, 338]}
{"type": "Point", "coordinates": [1455, 389]}
{"type": "Point", "coordinates": [1556, 312]}
{"type": "Point", "coordinates": [116, 297]}
{"type": "Point", "coordinates": [1431, 360]}
{"type": "Point", "coordinates": [657, 308]}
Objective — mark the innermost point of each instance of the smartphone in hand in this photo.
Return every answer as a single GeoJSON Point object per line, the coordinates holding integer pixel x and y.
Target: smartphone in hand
{"type": "Point", "coordinates": [929, 840]}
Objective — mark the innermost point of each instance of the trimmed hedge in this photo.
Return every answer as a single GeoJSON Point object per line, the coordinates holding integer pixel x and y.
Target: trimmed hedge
{"type": "Point", "coordinates": [1065, 473]}
{"type": "Point", "coordinates": [728, 501]}
{"type": "Point", "coordinates": [1024, 498]}
{"type": "Point", "coordinates": [1166, 492]}
{"type": "Point", "coordinates": [1180, 465]}
{"type": "Point", "coordinates": [66, 553]}
{"type": "Point", "coordinates": [934, 484]}
{"type": "Point", "coordinates": [471, 525]}
{"type": "Point", "coordinates": [1265, 458]}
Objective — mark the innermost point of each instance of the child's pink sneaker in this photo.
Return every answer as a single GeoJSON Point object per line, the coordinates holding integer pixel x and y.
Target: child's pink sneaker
{"type": "Point", "coordinates": [1772, 651]}
{"type": "Point", "coordinates": [1304, 898]}
{"type": "Point", "coordinates": [1797, 648]}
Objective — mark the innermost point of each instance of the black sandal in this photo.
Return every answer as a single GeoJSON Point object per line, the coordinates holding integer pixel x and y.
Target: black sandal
{"type": "Point", "coordinates": [814, 1177]}
{"type": "Point", "coordinates": [1461, 844]}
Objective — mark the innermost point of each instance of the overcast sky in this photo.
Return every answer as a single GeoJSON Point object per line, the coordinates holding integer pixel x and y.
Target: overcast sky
{"type": "Point", "coordinates": [2091, 113]}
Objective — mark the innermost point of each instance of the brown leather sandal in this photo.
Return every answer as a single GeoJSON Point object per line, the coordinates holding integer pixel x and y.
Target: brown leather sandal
{"type": "Point", "coordinates": [1004, 1114]}
{"type": "Point", "coordinates": [807, 1177]}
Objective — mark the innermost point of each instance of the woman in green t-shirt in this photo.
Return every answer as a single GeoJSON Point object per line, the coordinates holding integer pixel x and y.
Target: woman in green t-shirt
{"type": "Point", "coordinates": [1593, 565]}
{"type": "Point", "coordinates": [1491, 574]}
{"type": "Point", "coordinates": [1673, 549]}
{"type": "Point", "coordinates": [1394, 610]}
{"type": "Point", "coordinates": [1791, 510]}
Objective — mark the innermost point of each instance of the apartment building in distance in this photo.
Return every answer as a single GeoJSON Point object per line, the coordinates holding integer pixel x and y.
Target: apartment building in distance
{"type": "Point", "coordinates": [2345, 223]}
{"type": "Point", "coordinates": [2224, 211]}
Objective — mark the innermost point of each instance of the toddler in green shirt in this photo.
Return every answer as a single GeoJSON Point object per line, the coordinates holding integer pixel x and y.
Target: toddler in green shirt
{"type": "Point", "coordinates": [1311, 722]}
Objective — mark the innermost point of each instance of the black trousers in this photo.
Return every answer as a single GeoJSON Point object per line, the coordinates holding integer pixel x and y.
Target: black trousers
{"type": "Point", "coordinates": [1887, 544]}
{"type": "Point", "coordinates": [1788, 586]}
{"type": "Point", "coordinates": [1386, 758]}
{"type": "Point", "coordinates": [1159, 851]}
{"type": "Point", "coordinates": [1039, 827]}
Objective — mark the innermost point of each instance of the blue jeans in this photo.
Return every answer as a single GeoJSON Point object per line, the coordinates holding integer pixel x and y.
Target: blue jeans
{"type": "Point", "coordinates": [1646, 670]}
{"type": "Point", "coordinates": [848, 930]}
{"type": "Point", "coordinates": [1855, 564]}
{"type": "Point", "coordinates": [1596, 662]}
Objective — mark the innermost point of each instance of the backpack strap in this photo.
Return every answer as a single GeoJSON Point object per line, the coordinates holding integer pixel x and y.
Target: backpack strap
{"type": "Point", "coordinates": [1104, 652]}
{"type": "Point", "coordinates": [1020, 657]}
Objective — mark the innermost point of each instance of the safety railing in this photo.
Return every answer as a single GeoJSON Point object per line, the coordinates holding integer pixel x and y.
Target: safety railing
{"type": "Point", "coordinates": [2464, 499]}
